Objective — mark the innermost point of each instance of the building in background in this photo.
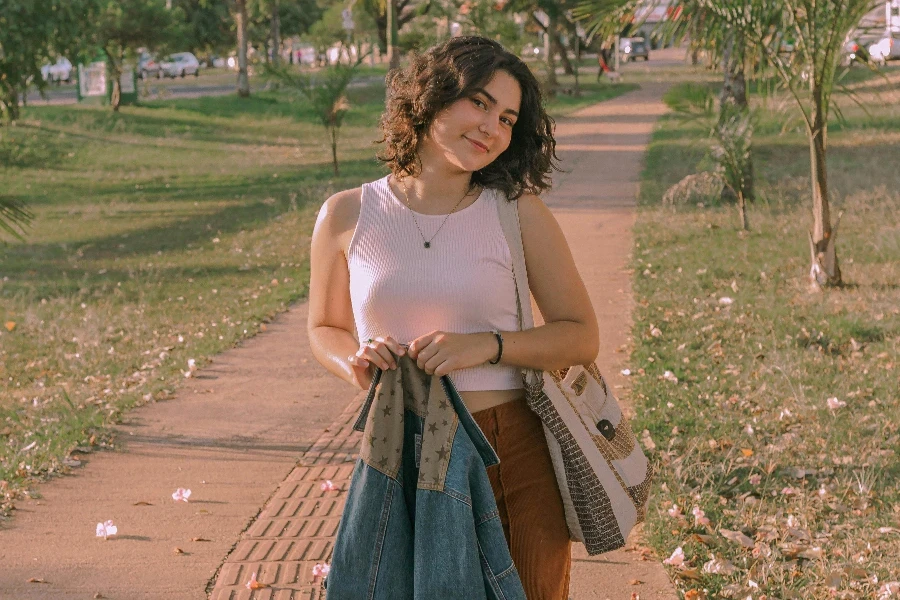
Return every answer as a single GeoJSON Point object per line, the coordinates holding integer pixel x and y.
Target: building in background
{"type": "Point", "coordinates": [892, 16]}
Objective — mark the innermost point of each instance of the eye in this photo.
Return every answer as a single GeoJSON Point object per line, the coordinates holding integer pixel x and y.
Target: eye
{"type": "Point", "coordinates": [479, 103]}
{"type": "Point", "coordinates": [509, 122]}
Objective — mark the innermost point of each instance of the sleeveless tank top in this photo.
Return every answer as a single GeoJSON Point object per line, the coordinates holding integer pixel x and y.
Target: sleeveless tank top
{"type": "Point", "coordinates": [463, 283]}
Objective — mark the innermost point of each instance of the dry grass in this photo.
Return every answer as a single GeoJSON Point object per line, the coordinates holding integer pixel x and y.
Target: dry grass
{"type": "Point", "coordinates": [748, 434]}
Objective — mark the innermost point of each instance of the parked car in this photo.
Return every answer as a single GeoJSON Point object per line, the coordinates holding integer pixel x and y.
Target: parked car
{"type": "Point", "coordinates": [884, 50]}
{"type": "Point", "coordinates": [634, 48]}
{"type": "Point", "coordinates": [180, 64]}
{"type": "Point", "coordinates": [59, 71]}
{"type": "Point", "coordinates": [148, 66]}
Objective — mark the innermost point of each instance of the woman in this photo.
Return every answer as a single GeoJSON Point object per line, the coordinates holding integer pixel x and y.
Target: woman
{"type": "Point", "coordinates": [417, 263]}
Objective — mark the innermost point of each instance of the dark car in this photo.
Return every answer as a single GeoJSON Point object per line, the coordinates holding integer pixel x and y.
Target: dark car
{"type": "Point", "coordinates": [634, 48]}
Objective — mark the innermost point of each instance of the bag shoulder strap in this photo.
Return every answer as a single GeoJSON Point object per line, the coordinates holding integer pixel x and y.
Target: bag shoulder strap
{"type": "Point", "coordinates": [508, 212]}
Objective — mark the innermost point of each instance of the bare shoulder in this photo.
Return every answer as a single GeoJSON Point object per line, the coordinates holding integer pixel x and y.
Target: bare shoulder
{"type": "Point", "coordinates": [340, 212]}
{"type": "Point", "coordinates": [534, 215]}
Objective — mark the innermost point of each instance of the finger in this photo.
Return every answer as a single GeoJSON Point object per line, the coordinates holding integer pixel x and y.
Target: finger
{"type": "Point", "coordinates": [445, 368]}
{"type": "Point", "coordinates": [370, 354]}
{"type": "Point", "coordinates": [394, 346]}
{"type": "Point", "coordinates": [417, 344]}
{"type": "Point", "coordinates": [357, 361]}
{"type": "Point", "coordinates": [433, 363]}
{"type": "Point", "coordinates": [426, 354]}
{"type": "Point", "coordinates": [385, 353]}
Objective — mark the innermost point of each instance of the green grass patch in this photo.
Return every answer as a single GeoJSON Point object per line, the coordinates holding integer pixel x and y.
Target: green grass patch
{"type": "Point", "coordinates": [735, 362]}
{"type": "Point", "coordinates": [166, 232]}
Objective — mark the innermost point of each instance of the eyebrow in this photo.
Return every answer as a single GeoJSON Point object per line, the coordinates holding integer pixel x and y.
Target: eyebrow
{"type": "Point", "coordinates": [494, 101]}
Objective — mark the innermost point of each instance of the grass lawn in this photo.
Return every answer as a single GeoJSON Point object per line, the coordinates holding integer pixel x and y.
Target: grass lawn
{"type": "Point", "coordinates": [773, 410]}
{"type": "Point", "coordinates": [163, 234]}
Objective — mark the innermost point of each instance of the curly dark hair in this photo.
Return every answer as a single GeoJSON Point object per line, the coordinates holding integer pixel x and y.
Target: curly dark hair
{"type": "Point", "coordinates": [454, 70]}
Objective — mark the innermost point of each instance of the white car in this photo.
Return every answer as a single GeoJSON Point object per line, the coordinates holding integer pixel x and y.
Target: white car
{"type": "Point", "coordinates": [59, 71]}
{"type": "Point", "coordinates": [179, 65]}
{"type": "Point", "coordinates": [884, 50]}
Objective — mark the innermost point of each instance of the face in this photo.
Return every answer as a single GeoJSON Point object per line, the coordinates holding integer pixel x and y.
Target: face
{"type": "Point", "coordinates": [472, 132]}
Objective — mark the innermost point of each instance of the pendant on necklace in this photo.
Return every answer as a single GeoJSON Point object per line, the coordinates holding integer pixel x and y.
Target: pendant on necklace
{"type": "Point", "coordinates": [428, 244]}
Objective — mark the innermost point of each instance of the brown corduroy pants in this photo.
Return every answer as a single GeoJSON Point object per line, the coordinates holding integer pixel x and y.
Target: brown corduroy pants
{"type": "Point", "coordinates": [531, 509]}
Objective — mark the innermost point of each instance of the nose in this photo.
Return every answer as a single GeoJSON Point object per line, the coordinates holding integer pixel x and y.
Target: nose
{"type": "Point", "coordinates": [490, 125]}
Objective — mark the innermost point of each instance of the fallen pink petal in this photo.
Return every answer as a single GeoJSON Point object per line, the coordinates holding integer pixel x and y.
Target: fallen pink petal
{"type": "Point", "coordinates": [254, 584]}
{"type": "Point", "coordinates": [677, 558]}
{"type": "Point", "coordinates": [328, 486]}
{"type": "Point", "coordinates": [181, 495]}
{"type": "Point", "coordinates": [700, 517]}
{"type": "Point", "coordinates": [834, 403]}
{"type": "Point", "coordinates": [321, 569]}
{"type": "Point", "coordinates": [106, 529]}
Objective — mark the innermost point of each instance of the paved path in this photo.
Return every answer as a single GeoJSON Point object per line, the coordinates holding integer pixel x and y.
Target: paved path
{"type": "Point", "coordinates": [233, 435]}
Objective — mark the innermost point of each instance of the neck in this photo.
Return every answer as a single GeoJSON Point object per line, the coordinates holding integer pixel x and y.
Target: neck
{"type": "Point", "coordinates": [437, 190]}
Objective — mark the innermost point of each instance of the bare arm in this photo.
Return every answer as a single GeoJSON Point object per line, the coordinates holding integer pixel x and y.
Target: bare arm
{"type": "Point", "coordinates": [570, 335]}
{"type": "Point", "coordinates": [330, 322]}
{"type": "Point", "coordinates": [331, 326]}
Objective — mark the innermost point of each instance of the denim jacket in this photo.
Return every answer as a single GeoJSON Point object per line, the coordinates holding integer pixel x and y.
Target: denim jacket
{"type": "Point", "coordinates": [420, 521]}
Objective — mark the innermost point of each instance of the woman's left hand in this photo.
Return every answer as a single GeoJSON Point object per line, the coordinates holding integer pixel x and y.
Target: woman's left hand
{"type": "Point", "coordinates": [439, 353]}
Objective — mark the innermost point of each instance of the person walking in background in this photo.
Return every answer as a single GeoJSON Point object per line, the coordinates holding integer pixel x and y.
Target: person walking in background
{"type": "Point", "coordinates": [415, 266]}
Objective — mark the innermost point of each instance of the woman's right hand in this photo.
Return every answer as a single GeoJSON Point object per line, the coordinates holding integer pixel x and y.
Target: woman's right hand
{"type": "Point", "coordinates": [379, 352]}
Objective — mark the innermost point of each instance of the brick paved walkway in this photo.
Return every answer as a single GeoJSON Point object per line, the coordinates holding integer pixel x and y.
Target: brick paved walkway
{"type": "Point", "coordinates": [296, 528]}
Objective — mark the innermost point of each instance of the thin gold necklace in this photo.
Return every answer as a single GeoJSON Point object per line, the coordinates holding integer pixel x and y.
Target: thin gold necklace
{"type": "Point", "coordinates": [427, 243]}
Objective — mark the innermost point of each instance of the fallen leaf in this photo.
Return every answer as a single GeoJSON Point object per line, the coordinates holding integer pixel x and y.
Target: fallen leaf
{"type": "Point", "coordinates": [737, 536]}
{"type": "Point", "coordinates": [178, 550]}
{"type": "Point", "coordinates": [37, 580]}
{"type": "Point", "coordinates": [10, 325]}
{"type": "Point", "coordinates": [693, 595]}
{"type": "Point", "coordinates": [709, 540]}
{"type": "Point", "coordinates": [814, 553]}
{"type": "Point", "coordinates": [200, 539]}
{"type": "Point", "coordinates": [719, 566]}
{"type": "Point", "coordinates": [747, 452]}
{"type": "Point", "coordinates": [635, 582]}
{"type": "Point", "coordinates": [692, 574]}
{"type": "Point", "coordinates": [142, 503]}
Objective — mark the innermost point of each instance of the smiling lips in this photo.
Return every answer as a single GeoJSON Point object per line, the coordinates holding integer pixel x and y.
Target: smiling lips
{"type": "Point", "coordinates": [481, 147]}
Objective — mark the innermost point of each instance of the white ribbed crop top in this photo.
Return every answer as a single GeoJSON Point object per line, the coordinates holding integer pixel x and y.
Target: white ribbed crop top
{"type": "Point", "coordinates": [463, 283]}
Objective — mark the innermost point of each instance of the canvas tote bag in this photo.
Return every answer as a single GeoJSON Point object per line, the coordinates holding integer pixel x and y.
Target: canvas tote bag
{"type": "Point", "coordinates": [603, 475]}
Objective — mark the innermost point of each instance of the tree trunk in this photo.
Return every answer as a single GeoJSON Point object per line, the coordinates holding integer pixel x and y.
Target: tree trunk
{"type": "Point", "coordinates": [552, 82]}
{"type": "Point", "coordinates": [114, 72]}
{"type": "Point", "coordinates": [240, 18]}
{"type": "Point", "coordinates": [556, 45]}
{"type": "Point", "coordinates": [391, 36]}
{"type": "Point", "coordinates": [825, 269]}
{"type": "Point", "coordinates": [276, 35]}
{"type": "Point", "coordinates": [10, 102]}
{"type": "Point", "coordinates": [577, 42]}
{"type": "Point", "coordinates": [742, 211]}
{"type": "Point", "coordinates": [334, 158]}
